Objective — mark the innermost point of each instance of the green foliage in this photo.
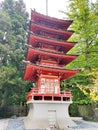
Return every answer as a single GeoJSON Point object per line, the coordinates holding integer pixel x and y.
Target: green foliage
{"type": "Point", "coordinates": [5, 23]}
{"type": "Point", "coordinates": [17, 94]}
{"type": "Point", "coordinates": [79, 97]}
{"type": "Point", "coordinates": [6, 74]}
{"type": "Point", "coordinates": [85, 25]}
{"type": "Point", "coordinates": [13, 25]}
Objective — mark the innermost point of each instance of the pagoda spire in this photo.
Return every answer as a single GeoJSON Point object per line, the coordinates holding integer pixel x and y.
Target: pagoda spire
{"type": "Point", "coordinates": [46, 7]}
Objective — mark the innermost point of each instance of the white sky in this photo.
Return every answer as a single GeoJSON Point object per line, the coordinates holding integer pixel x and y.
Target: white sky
{"type": "Point", "coordinates": [53, 6]}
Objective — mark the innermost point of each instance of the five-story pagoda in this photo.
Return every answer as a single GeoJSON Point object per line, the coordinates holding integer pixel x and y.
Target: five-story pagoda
{"type": "Point", "coordinates": [45, 62]}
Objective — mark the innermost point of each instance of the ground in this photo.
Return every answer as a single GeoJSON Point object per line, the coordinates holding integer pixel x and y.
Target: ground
{"type": "Point", "coordinates": [18, 124]}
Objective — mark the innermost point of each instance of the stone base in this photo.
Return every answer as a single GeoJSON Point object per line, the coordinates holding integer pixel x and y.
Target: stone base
{"type": "Point", "coordinates": [48, 114]}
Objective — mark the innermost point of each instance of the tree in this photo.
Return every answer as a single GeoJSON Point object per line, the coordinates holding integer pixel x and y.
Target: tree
{"type": "Point", "coordinates": [6, 82]}
{"type": "Point", "coordinates": [13, 25]}
{"type": "Point", "coordinates": [91, 90]}
{"type": "Point", "coordinates": [85, 25]}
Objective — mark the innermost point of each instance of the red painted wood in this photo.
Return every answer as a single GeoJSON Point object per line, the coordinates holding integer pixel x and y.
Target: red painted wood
{"type": "Point", "coordinates": [31, 72]}
{"type": "Point", "coordinates": [37, 42]}
{"type": "Point", "coordinates": [46, 56]}
{"type": "Point", "coordinates": [50, 21]}
{"type": "Point", "coordinates": [63, 96]}
{"type": "Point", "coordinates": [50, 32]}
{"type": "Point", "coordinates": [33, 54]}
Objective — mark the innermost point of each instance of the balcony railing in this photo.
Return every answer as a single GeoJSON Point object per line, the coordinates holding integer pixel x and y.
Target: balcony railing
{"type": "Point", "coordinates": [36, 94]}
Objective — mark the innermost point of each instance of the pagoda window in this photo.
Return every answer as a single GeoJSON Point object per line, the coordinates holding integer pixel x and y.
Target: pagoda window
{"type": "Point", "coordinates": [49, 64]}
{"type": "Point", "coordinates": [45, 22]}
{"type": "Point", "coordinates": [50, 24]}
{"type": "Point", "coordinates": [49, 35]}
{"type": "Point", "coordinates": [49, 85]}
{"type": "Point", "coordinates": [48, 47]}
{"type": "Point", "coordinates": [46, 34]}
{"type": "Point", "coordinates": [42, 33]}
{"type": "Point", "coordinates": [39, 45]}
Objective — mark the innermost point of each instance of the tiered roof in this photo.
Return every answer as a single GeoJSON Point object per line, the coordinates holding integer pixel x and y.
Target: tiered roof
{"type": "Point", "coordinates": [36, 41]}
{"type": "Point", "coordinates": [50, 32]}
{"type": "Point", "coordinates": [47, 45]}
{"type": "Point", "coordinates": [32, 71]}
{"type": "Point", "coordinates": [50, 21]}
{"type": "Point", "coordinates": [33, 55]}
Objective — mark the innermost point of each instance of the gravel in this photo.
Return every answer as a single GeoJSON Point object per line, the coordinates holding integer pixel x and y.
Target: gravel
{"type": "Point", "coordinates": [18, 124]}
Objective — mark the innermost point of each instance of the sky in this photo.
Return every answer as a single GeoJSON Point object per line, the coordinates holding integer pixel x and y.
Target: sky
{"type": "Point", "coordinates": [53, 6]}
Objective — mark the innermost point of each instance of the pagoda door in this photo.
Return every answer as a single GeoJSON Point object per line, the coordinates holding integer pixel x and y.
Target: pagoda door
{"type": "Point", "coordinates": [50, 86]}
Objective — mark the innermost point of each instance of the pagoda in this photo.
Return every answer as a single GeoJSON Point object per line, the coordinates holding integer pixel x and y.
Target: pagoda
{"type": "Point", "coordinates": [45, 62]}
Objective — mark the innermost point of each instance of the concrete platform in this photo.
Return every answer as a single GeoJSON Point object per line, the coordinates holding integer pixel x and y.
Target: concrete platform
{"type": "Point", "coordinates": [48, 114]}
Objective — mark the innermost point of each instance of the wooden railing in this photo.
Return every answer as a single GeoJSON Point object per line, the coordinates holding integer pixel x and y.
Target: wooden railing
{"type": "Point", "coordinates": [36, 94]}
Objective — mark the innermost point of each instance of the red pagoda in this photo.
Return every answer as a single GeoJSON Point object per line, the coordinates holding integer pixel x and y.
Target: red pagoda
{"type": "Point", "coordinates": [45, 67]}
